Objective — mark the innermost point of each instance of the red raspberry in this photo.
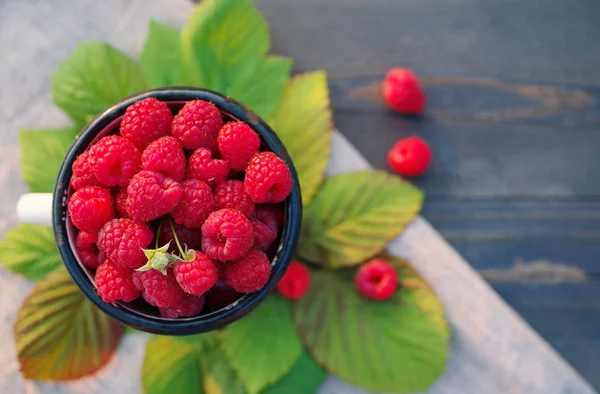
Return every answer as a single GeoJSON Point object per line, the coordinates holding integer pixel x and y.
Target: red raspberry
{"type": "Point", "coordinates": [295, 281]}
{"type": "Point", "coordinates": [232, 194]}
{"type": "Point", "coordinates": [137, 280]}
{"type": "Point", "coordinates": [91, 207]}
{"type": "Point", "coordinates": [87, 250]}
{"type": "Point", "coordinates": [376, 279]}
{"type": "Point", "coordinates": [267, 178]}
{"type": "Point", "coordinates": [121, 202]}
{"type": "Point", "coordinates": [226, 235]}
{"type": "Point", "coordinates": [196, 203]}
{"type": "Point", "coordinates": [248, 274]}
{"type": "Point", "coordinates": [402, 91]}
{"type": "Point", "coordinates": [237, 143]}
{"type": "Point", "coordinates": [161, 290]}
{"type": "Point", "coordinates": [191, 237]}
{"type": "Point", "coordinates": [197, 125]}
{"type": "Point", "coordinates": [83, 176]}
{"type": "Point", "coordinates": [196, 276]}
{"type": "Point", "coordinates": [123, 239]}
{"type": "Point", "coordinates": [165, 156]}
{"type": "Point", "coordinates": [190, 306]}
{"type": "Point", "coordinates": [115, 282]}
{"type": "Point", "coordinates": [114, 160]}
{"type": "Point", "coordinates": [221, 295]}
{"type": "Point", "coordinates": [203, 167]}
{"type": "Point", "coordinates": [410, 156]}
{"type": "Point", "coordinates": [151, 194]}
{"type": "Point", "coordinates": [264, 223]}
{"type": "Point", "coordinates": [146, 121]}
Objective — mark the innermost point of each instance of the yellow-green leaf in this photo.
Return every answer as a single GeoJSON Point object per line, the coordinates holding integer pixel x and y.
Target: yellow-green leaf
{"type": "Point", "coordinates": [95, 76]}
{"type": "Point", "coordinates": [60, 335]}
{"type": "Point", "coordinates": [219, 376]}
{"type": "Point", "coordinates": [263, 346]}
{"type": "Point", "coordinates": [42, 152]}
{"type": "Point", "coordinates": [303, 123]}
{"type": "Point", "coordinates": [353, 217]}
{"type": "Point", "coordinates": [30, 250]}
{"type": "Point", "coordinates": [160, 60]}
{"type": "Point", "coordinates": [172, 366]}
{"type": "Point", "coordinates": [399, 345]}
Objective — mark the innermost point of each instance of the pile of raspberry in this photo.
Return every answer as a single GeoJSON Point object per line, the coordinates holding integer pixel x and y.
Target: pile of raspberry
{"type": "Point", "coordinates": [181, 211]}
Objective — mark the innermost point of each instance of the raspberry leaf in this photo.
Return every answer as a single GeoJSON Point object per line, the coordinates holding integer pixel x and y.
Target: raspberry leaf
{"type": "Point", "coordinates": [219, 376]}
{"type": "Point", "coordinates": [268, 330]}
{"type": "Point", "coordinates": [95, 76]}
{"type": "Point", "coordinates": [173, 366]}
{"type": "Point", "coordinates": [60, 335]}
{"type": "Point", "coordinates": [400, 345]}
{"type": "Point", "coordinates": [303, 122]}
{"type": "Point", "coordinates": [225, 45]}
{"type": "Point", "coordinates": [354, 216]}
{"type": "Point", "coordinates": [160, 60]}
{"type": "Point", "coordinates": [305, 377]}
{"type": "Point", "coordinates": [30, 250]}
{"type": "Point", "coordinates": [42, 153]}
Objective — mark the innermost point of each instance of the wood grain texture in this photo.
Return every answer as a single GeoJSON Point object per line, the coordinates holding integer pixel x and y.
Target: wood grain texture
{"type": "Point", "coordinates": [356, 42]}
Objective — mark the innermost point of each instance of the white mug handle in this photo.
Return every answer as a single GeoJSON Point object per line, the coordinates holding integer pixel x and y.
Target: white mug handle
{"type": "Point", "coordinates": [35, 208]}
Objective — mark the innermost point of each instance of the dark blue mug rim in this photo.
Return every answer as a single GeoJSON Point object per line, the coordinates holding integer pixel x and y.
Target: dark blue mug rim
{"type": "Point", "coordinates": [219, 318]}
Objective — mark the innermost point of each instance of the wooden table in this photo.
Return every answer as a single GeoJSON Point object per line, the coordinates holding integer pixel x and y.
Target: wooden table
{"type": "Point", "coordinates": [513, 121]}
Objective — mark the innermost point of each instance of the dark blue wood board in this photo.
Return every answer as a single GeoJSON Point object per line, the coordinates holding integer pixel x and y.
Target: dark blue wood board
{"type": "Point", "coordinates": [514, 124]}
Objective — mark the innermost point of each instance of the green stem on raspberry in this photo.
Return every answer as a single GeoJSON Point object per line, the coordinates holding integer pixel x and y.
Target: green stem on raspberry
{"type": "Point", "coordinates": [158, 234]}
{"type": "Point", "coordinates": [183, 254]}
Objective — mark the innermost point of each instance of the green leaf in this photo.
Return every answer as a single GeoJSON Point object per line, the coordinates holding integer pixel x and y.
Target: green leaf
{"type": "Point", "coordinates": [353, 217]}
{"type": "Point", "coordinates": [224, 46]}
{"type": "Point", "coordinates": [263, 91]}
{"type": "Point", "coordinates": [304, 377]}
{"type": "Point", "coordinates": [262, 346]}
{"type": "Point", "coordinates": [303, 122]}
{"type": "Point", "coordinates": [60, 335]}
{"type": "Point", "coordinates": [42, 153]}
{"type": "Point", "coordinates": [161, 61]}
{"type": "Point", "coordinates": [400, 345]}
{"type": "Point", "coordinates": [30, 250]}
{"type": "Point", "coordinates": [95, 76]}
{"type": "Point", "coordinates": [219, 377]}
{"type": "Point", "coordinates": [172, 366]}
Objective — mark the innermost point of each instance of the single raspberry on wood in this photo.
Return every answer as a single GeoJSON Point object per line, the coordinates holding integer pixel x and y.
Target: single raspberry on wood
{"type": "Point", "coordinates": [196, 203]}
{"type": "Point", "coordinates": [197, 125]}
{"type": "Point", "coordinates": [227, 235]}
{"type": "Point", "coordinates": [91, 207]}
{"type": "Point", "coordinates": [203, 167]}
{"type": "Point", "coordinates": [151, 194]}
{"type": "Point", "coordinates": [190, 306]}
{"type": "Point", "coordinates": [264, 223]}
{"type": "Point", "coordinates": [114, 160]}
{"type": "Point", "coordinates": [166, 156]}
{"type": "Point", "coordinates": [267, 180]}
{"type": "Point", "coordinates": [115, 282]}
{"type": "Point", "coordinates": [410, 156]}
{"type": "Point", "coordinates": [161, 290]}
{"type": "Point", "coordinates": [295, 282]}
{"type": "Point", "coordinates": [146, 121]}
{"type": "Point", "coordinates": [83, 175]}
{"type": "Point", "coordinates": [232, 194]}
{"type": "Point", "coordinates": [237, 143]}
{"type": "Point", "coordinates": [87, 250]}
{"type": "Point", "coordinates": [248, 274]}
{"type": "Point", "coordinates": [190, 237]}
{"type": "Point", "coordinates": [196, 276]}
{"type": "Point", "coordinates": [123, 240]}
{"type": "Point", "coordinates": [121, 202]}
{"type": "Point", "coordinates": [402, 91]}
{"type": "Point", "coordinates": [377, 279]}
